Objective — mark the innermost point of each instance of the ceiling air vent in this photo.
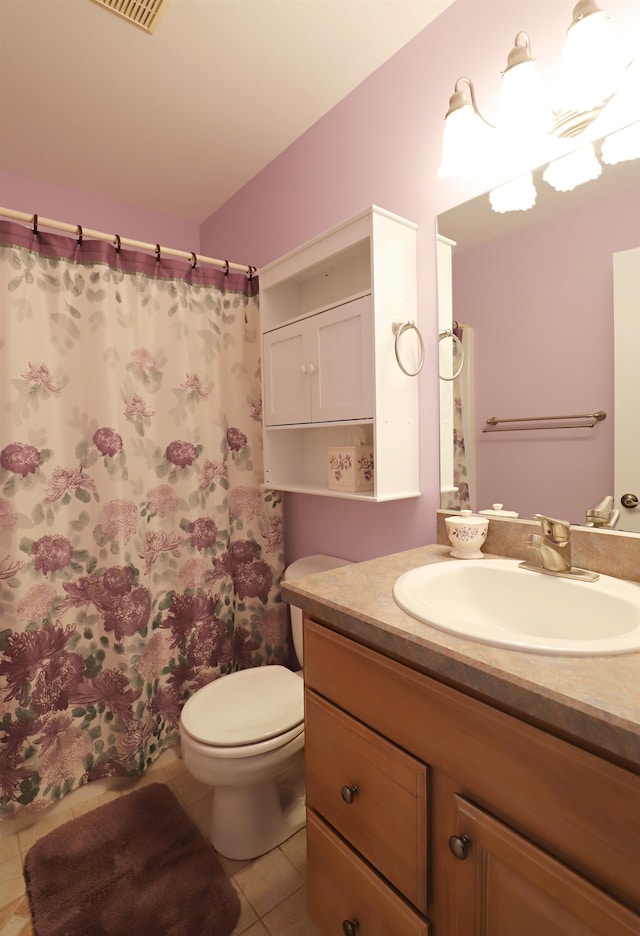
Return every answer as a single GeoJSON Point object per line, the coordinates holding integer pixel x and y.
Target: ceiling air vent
{"type": "Point", "coordinates": [144, 13]}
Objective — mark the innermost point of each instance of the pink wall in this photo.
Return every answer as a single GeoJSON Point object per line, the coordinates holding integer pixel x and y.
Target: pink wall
{"type": "Point", "coordinates": [35, 196]}
{"type": "Point", "coordinates": [543, 345]}
{"type": "Point", "coordinates": [381, 145]}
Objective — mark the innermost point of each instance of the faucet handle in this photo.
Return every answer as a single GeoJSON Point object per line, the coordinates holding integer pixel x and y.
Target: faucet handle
{"type": "Point", "coordinates": [557, 530]}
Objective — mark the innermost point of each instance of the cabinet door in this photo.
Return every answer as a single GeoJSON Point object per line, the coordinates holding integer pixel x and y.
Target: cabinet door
{"type": "Point", "coordinates": [505, 885]}
{"type": "Point", "coordinates": [342, 352]}
{"type": "Point", "coordinates": [287, 384]}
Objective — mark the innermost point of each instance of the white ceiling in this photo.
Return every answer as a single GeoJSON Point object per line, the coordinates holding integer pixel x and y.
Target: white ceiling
{"type": "Point", "coordinates": [178, 121]}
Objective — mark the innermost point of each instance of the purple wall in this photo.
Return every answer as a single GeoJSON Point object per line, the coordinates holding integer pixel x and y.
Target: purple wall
{"type": "Point", "coordinates": [381, 145]}
{"type": "Point", "coordinates": [59, 203]}
{"type": "Point", "coordinates": [543, 345]}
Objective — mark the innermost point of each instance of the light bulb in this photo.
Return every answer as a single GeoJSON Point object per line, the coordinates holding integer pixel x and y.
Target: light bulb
{"type": "Point", "coordinates": [522, 108]}
{"type": "Point", "coordinates": [467, 142]}
{"type": "Point", "coordinates": [592, 63]}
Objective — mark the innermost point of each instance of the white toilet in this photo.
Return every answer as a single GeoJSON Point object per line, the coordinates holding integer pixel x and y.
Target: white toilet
{"type": "Point", "coordinates": [243, 734]}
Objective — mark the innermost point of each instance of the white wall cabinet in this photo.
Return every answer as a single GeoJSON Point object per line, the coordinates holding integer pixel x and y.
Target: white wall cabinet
{"type": "Point", "coordinates": [330, 375]}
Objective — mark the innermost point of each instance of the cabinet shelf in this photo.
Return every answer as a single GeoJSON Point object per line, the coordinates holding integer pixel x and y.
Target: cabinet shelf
{"type": "Point", "coordinates": [324, 491]}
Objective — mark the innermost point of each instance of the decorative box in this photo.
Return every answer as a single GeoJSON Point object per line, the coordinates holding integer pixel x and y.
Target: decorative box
{"type": "Point", "coordinates": [351, 468]}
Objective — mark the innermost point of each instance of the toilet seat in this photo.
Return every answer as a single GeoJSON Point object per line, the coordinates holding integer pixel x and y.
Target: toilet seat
{"type": "Point", "coordinates": [255, 710]}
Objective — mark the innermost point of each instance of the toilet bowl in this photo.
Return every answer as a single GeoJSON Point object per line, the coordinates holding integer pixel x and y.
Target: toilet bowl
{"type": "Point", "coordinates": [243, 734]}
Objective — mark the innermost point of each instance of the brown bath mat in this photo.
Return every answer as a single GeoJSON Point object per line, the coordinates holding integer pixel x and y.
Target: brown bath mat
{"type": "Point", "coordinates": [136, 866]}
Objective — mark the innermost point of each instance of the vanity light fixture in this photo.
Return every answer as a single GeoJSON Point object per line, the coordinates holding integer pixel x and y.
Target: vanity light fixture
{"type": "Point", "coordinates": [530, 129]}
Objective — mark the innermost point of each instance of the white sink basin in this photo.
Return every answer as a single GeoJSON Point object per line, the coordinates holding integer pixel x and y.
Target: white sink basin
{"type": "Point", "coordinates": [494, 601]}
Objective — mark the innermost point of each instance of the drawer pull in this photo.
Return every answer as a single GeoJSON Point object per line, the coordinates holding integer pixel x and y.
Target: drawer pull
{"type": "Point", "coordinates": [349, 927]}
{"type": "Point", "coordinates": [459, 845]}
{"type": "Point", "coordinates": [348, 793]}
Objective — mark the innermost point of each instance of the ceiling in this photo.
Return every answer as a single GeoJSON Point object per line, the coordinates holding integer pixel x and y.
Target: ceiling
{"type": "Point", "coordinates": [178, 121]}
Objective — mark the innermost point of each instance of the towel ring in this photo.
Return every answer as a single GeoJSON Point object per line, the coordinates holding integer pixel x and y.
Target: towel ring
{"type": "Point", "coordinates": [447, 333]}
{"type": "Point", "coordinates": [398, 329]}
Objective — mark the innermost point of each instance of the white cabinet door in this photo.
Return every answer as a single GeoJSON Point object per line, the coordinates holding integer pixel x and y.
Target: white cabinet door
{"type": "Point", "coordinates": [320, 369]}
{"type": "Point", "coordinates": [287, 388]}
{"type": "Point", "coordinates": [342, 385]}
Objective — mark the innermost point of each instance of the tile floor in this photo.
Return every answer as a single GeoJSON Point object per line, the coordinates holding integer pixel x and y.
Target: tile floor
{"type": "Point", "coordinates": [272, 888]}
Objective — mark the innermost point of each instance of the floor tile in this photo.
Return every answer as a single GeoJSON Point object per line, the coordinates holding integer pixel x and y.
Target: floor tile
{"type": "Point", "coordinates": [81, 809]}
{"type": "Point", "coordinates": [46, 823]}
{"type": "Point", "coordinates": [189, 789]}
{"type": "Point", "coordinates": [295, 849]}
{"type": "Point", "coordinates": [12, 885]}
{"type": "Point", "coordinates": [9, 847]}
{"type": "Point", "coordinates": [248, 916]}
{"type": "Point", "coordinates": [258, 929]}
{"type": "Point", "coordinates": [268, 880]}
{"type": "Point", "coordinates": [291, 917]}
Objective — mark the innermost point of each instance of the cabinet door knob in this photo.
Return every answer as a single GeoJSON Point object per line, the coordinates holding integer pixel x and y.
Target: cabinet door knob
{"type": "Point", "coordinates": [460, 845]}
{"type": "Point", "coordinates": [348, 793]}
{"type": "Point", "coordinates": [311, 368]}
{"type": "Point", "coordinates": [303, 368]}
{"type": "Point", "coordinates": [349, 927]}
{"type": "Point", "coordinates": [629, 500]}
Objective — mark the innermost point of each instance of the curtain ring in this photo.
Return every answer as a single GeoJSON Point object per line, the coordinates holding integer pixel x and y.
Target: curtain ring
{"type": "Point", "coordinates": [118, 244]}
{"type": "Point", "coordinates": [35, 225]}
{"type": "Point", "coordinates": [448, 333]}
{"type": "Point", "coordinates": [251, 271]}
{"type": "Point", "coordinates": [194, 260]}
{"type": "Point", "coordinates": [80, 236]}
{"type": "Point", "coordinates": [398, 329]}
{"type": "Point", "coordinates": [157, 253]}
{"type": "Point", "coordinates": [226, 267]}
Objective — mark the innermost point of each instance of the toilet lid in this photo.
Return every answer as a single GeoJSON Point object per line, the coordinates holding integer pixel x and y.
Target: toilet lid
{"type": "Point", "coordinates": [245, 707]}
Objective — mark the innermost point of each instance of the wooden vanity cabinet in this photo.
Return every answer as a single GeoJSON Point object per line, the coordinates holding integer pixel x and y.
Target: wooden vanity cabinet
{"type": "Point", "coordinates": [516, 830]}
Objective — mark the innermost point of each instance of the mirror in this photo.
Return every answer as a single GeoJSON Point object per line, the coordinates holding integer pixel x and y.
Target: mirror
{"type": "Point", "coordinates": [532, 295]}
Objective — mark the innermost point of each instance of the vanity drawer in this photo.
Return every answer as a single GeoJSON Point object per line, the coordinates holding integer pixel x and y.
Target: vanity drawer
{"type": "Point", "coordinates": [342, 888]}
{"type": "Point", "coordinates": [384, 815]}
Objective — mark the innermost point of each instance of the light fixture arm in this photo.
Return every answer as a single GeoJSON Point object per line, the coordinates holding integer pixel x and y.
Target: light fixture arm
{"type": "Point", "coordinates": [458, 99]}
{"type": "Point", "coordinates": [520, 53]}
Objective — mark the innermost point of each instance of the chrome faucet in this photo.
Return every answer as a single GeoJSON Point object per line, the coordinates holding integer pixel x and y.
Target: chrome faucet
{"type": "Point", "coordinates": [553, 546]}
{"type": "Point", "coordinates": [603, 514]}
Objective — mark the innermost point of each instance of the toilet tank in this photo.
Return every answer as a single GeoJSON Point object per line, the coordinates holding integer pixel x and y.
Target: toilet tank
{"type": "Point", "coordinates": [308, 565]}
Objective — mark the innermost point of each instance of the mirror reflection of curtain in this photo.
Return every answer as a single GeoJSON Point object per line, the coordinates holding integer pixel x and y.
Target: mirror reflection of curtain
{"type": "Point", "coordinates": [463, 444]}
{"type": "Point", "coordinates": [139, 556]}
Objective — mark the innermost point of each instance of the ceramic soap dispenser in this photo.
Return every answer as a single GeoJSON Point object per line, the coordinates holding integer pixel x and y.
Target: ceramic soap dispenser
{"type": "Point", "coordinates": [467, 532]}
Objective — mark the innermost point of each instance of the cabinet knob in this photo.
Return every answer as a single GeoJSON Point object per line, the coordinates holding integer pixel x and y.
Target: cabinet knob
{"type": "Point", "coordinates": [311, 368]}
{"type": "Point", "coordinates": [303, 368]}
{"type": "Point", "coordinates": [629, 500]}
{"type": "Point", "coordinates": [460, 845]}
{"type": "Point", "coordinates": [348, 793]}
{"type": "Point", "coordinates": [349, 927]}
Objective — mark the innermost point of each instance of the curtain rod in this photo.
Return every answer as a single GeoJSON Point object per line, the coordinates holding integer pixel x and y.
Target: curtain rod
{"type": "Point", "coordinates": [117, 241]}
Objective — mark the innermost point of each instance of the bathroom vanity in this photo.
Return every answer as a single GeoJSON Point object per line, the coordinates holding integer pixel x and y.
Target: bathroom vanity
{"type": "Point", "coordinates": [456, 788]}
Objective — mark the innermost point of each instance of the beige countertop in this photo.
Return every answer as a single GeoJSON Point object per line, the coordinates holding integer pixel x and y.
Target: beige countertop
{"type": "Point", "coordinates": [592, 701]}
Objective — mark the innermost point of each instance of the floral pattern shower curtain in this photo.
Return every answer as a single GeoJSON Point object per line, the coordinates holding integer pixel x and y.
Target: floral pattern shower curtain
{"type": "Point", "coordinates": [139, 556]}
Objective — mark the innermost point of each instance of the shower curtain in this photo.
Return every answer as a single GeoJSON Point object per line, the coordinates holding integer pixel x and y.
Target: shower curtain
{"type": "Point", "coordinates": [139, 557]}
{"type": "Point", "coordinates": [463, 441]}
